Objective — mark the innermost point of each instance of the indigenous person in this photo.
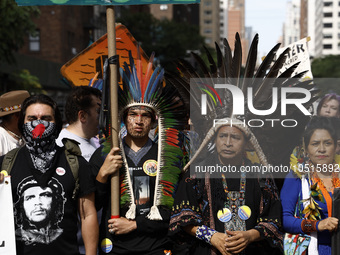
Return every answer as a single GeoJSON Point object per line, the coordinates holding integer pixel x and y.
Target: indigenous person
{"type": "Point", "coordinates": [82, 114]}
{"type": "Point", "coordinates": [43, 186]}
{"type": "Point", "coordinates": [233, 210]}
{"type": "Point", "coordinates": [329, 106]}
{"type": "Point", "coordinates": [148, 171]}
{"type": "Point", "coordinates": [10, 105]}
{"type": "Point", "coordinates": [313, 172]}
{"type": "Point", "coordinates": [225, 213]}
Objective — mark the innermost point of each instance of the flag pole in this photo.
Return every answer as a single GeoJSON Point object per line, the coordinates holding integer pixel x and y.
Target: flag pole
{"type": "Point", "coordinates": [111, 43]}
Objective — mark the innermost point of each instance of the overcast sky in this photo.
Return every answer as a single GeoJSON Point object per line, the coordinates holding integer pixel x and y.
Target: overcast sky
{"type": "Point", "coordinates": [266, 17]}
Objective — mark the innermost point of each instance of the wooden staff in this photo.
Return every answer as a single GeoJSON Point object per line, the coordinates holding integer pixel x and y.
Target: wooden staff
{"type": "Point", "coordinates": [111, 43]}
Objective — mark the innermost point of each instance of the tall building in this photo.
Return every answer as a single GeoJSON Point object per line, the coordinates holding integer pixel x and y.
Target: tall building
{"type": "Point", "coordinates": [320, 20]}
{"type": "Point", "coordinates": [162, 11]}
{"type": "Point", "coordinates": [317, 22]}
{"type": "Point", "coordinates": [291, 31]}
{"type": "Point", "coordinates": [188, 13]}
{"type": "Point", "coordinates": [232, 20]}
{"type": "Point", "coordinates": [304, 18]}
{"type": "Point", "coordinates": [313, 10]}
{"type": "Point", "coordinates": [62, 32]}
{"type": "Point", "coordinates": [331, 27]}
{"type": "Point", "coordinates": [210, 21]}
{"type": "Point", "coordinates": [223, 20]}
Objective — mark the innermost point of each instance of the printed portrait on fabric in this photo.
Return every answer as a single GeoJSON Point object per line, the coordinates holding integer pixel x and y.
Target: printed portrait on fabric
{"type": "Point", "coordinates": [39, 210]}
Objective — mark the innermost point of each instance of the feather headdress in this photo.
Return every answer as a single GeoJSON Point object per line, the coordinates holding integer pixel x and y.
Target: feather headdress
{"type": "Point", "coordinates": [276, 142]}
{"type": "Point", "coordinates": [150, 90]}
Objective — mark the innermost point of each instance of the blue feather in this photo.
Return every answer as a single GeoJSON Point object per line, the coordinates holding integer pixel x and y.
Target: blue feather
{"type": "Point", "coordinates": [134, 78]}
{"type": "Point", "coordinates": [136, 81]}
{"type": "Point", "coordinates": [150, 83]}
{"type": "Point", "coordinates": [155, 84]}
{"type": "Point", "coordinates": [127, 81]}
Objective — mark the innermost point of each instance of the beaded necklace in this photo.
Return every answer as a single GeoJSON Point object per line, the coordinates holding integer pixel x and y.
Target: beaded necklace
{"type": "Point", "coordinates": [234, 201]}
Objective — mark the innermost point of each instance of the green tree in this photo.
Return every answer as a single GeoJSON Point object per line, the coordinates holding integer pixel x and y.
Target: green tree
{"type": "Point", "coordinates": [326, 67]}
{"type": "Point", "coordinates": [168, 39]}
{"type": "Point", "coordinates": [21, 79]}
{"type": "Point", "coordinates": [325, 71]}
{"type": "Point", "coordinates": [16, 23]}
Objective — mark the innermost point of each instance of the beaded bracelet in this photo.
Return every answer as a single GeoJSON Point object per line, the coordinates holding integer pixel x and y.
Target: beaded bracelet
{"type": "Point", "coordinates": [309, 226]}
{"type": "Point", "coordinates": [205, 233]}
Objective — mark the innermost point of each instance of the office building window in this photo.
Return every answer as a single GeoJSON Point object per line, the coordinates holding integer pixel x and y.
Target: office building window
{"type": "Point", "coordinates": [34, 41]}
{"type": "Point", "coordinates": [163, 7]}
{"type": "Point", "coordinates": [327, 46]}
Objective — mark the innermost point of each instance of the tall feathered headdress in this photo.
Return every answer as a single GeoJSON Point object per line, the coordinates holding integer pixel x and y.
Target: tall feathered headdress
{"type": "Point", "coordinates": [274, 141]}
{"type": "Point", "coordinates": [149, 89]}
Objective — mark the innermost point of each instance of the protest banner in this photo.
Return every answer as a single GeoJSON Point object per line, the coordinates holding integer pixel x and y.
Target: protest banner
{"type": "Point", "coordinates": [84, 66]}
{"type": "Point", "coordinates": [7, 235]}
{"type": "Point", "coordinates": [298, 53]}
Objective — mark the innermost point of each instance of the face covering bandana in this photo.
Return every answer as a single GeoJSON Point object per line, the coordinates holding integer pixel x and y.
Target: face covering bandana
{"type": "Point", "coordinates": [40, 138]}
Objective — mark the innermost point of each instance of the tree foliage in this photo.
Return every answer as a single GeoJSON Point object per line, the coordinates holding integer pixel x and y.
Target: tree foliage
{"type": "Point", "coordinates": [20, 79]}
{"type": "Point", "coordinates": [169, 40]}
{"type": "Point", "coordinates": [326, 67]}
{"type": "Point", "coordinates": [325, 71]}
{"type": "Point", "coordinates": [16, 23]}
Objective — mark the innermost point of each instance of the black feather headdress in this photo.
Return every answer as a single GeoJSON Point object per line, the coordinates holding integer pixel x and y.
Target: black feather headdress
{"type": "Point", "coordinates": [273, 138]}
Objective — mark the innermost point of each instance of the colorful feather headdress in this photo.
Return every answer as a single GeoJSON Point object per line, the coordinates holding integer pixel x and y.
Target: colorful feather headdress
{"type": "Point", "coordinates": [150, 90]}
{"type": "Point", "coordinates": [273, 145]}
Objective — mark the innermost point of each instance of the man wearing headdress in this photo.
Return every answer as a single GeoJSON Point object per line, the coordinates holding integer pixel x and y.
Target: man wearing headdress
{"type": "Point", "coordinates": [225, 203]}
{"type": "Point", "coordinates": [10, 105]}
{"type": "Point", "coordinates": [148, 171]}
{"type": "Point", "coordinates": [229, 211]}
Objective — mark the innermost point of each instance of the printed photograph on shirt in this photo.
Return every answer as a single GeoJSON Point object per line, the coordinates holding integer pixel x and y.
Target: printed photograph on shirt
{"type": "Point", "coordinates": [38, 211]}
{"type": "Point", "coordinates": [142, 193]}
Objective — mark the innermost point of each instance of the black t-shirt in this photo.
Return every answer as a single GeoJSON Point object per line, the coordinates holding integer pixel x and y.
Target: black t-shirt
{"type": "Point", "coordinates": [150, 237]}
{"type": "Point", "coordinates": [45, 213]}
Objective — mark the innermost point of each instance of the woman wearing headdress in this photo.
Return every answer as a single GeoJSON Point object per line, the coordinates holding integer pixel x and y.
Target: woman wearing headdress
{"type": "Point", "coordinates": [308, 189]}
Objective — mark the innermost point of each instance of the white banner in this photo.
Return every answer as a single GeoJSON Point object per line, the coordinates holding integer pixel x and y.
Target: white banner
{"type": "Point", "coordinates": [7, 234]}
{"type": "Point", "coordinates": [298, 53]}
